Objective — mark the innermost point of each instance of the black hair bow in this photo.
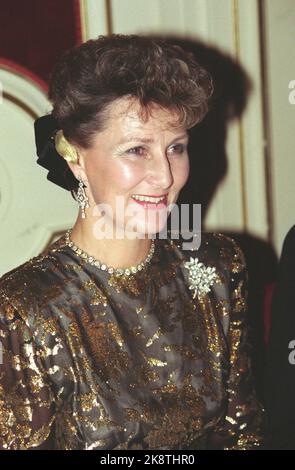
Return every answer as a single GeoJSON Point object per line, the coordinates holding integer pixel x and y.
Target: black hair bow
{"type": "Point", "coordinates": [59, 171]}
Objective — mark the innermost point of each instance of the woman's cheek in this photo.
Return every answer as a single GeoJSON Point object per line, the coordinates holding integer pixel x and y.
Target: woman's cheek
{"type": "Point", "coordinates": [127, 172]}
{"type": "Point", "coordinates": [181, 172]}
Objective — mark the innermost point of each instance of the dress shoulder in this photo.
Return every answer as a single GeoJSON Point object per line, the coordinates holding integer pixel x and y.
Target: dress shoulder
{"type": "Point", "coordinates": [27, 284]}
{"type": "Point", "coordinates": [214, 249]}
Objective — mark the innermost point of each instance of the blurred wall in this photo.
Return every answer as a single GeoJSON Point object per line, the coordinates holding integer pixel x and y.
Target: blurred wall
{"type": "Point", "coordinates": [33, 211]}
{"type": "Point", "coordinates": [279, 86]}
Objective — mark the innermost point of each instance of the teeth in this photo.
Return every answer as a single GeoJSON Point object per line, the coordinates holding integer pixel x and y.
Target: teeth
{"type": "Point", "coordinates": [148, 199]}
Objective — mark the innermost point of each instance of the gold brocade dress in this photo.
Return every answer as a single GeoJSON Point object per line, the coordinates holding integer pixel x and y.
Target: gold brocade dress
{"type": "Point", "coordinates": [92, 360]}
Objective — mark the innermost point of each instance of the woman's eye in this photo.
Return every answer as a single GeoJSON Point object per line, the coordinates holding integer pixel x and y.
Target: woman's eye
{"type": "Point", "coordinates": [178, 148]}
{"type": "Point", "coordinates": [141, 151]}
{"type": "Point", "coordinates": [136, 151]}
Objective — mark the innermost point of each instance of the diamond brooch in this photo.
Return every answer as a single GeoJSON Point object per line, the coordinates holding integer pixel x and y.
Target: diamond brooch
{"type": "Point", "coordinates": [201, 278]}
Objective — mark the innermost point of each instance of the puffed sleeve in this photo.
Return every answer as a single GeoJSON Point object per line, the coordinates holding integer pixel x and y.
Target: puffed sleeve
{"type": "Point", "coordinates": [243, 426]}
{"type": "Point", "coordinates": [26, 401]}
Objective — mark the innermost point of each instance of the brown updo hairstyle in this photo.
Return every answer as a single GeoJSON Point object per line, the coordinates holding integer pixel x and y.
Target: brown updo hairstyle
{"type": "Point", "coordinates": [89, 77]}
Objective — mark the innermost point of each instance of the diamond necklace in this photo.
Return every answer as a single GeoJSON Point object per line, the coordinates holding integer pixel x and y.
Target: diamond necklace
{"type": "Point", "coordinates": [91, 260]}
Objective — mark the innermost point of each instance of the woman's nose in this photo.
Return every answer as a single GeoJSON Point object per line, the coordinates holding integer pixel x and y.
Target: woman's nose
{"type": "Point", "coordinates": [160, 173]}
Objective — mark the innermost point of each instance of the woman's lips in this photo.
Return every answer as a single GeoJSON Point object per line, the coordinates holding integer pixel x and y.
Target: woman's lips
{"type": "Point", "coordinates": [153, 205]}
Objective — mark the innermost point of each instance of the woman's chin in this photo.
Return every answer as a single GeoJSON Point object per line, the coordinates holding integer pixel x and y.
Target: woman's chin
{"type": "Point", "coordinates": [146, 222]}
{"type": "Point", "coordinates": [148, 230]}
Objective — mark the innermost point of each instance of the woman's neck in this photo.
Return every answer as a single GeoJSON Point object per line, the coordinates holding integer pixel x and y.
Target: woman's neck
{"type": "Point", "coordinates": [114, 252]}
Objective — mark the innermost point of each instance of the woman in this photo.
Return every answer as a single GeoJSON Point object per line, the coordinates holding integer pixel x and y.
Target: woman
{"type": "Point", "coordinates": [125, 342]}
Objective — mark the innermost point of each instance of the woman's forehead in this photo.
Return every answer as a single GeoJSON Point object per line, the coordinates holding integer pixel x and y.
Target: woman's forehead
{"type": "Point", "coordinates": [129, 114]}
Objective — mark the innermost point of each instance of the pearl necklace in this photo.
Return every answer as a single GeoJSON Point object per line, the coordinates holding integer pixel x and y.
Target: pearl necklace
{"type": "Point", "coordinates": [91, 260]}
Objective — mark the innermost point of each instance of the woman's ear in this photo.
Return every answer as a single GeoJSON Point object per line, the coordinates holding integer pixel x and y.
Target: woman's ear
{"type": "Point", "coordinates": [78, 169]}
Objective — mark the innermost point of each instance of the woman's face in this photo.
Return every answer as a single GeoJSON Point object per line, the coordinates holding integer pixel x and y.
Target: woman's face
{"type": "Point", "coordinates": [131, 159]}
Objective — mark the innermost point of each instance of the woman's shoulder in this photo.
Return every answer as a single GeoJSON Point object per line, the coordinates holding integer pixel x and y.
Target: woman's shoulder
{"type": "Point", "coordinates": [213, 248]}
{"type": "Point", "coordinates": [215, 267]}
{"type": "Point", "coordinates": [29, 283]}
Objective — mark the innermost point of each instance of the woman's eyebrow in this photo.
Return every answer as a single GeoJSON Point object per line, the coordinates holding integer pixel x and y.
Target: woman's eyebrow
{"type": "Point", "coordinates": [146, 140]}
{"type": "Point", "coordinates": [179, 137]}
